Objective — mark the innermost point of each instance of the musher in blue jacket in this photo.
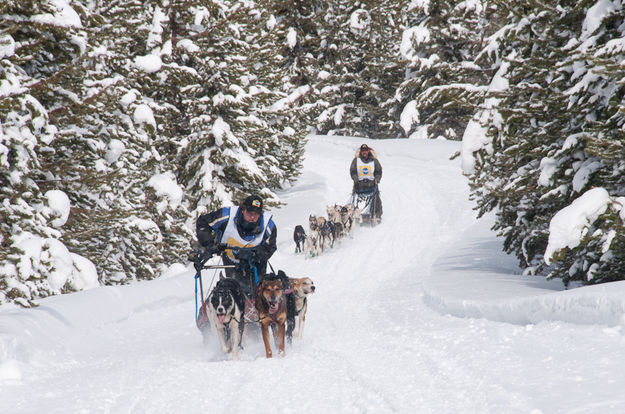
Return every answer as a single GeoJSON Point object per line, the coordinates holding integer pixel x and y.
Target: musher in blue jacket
{"type": "Point", "coordinates": [248, 230]}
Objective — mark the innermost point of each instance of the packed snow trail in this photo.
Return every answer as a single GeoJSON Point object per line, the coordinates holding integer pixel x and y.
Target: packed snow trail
{"type": "Point", "coordinates": [372, 342]}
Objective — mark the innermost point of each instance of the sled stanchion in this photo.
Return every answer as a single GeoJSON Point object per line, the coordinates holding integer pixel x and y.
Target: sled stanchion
{"type": "Point", "coordinates": [198, 275]}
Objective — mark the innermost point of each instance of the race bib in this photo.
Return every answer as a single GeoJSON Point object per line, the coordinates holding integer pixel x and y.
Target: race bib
{"type": "Point", "coordinates": [365, 172]}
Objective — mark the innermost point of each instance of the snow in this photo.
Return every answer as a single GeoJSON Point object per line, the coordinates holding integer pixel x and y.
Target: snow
{"type": "Point", "coordinates": [65, 267]}
{"type": "Point", "coordinates": [291, 38]}
{"type": "Point", "coordinates": [475, 135]}
{"type": "Point", "coordinates": [596, 14]}
{"type": "Point", "coordinates": [59, 206]}
{"type": "Point", "coordinates": [114, 150]}
{"type": "Point", "coordinates": [188, 45]}
{"type": "Point", "coordinates": [570, 224]}
{"type": "Point", "coordinates": [221, 130]}
{"type": "Point", "coordinates": [271, 22]}
{"type": "Point", "coordinates": [585, 172]}
{"type": "Point", "coordinates": [409, 116]}
{"type": "Point", "coordinates": [64, 16]}
{"type": "Point", "coordinates": [85, 275]}
{"type": "Point", "coordinates": [149, 63]}
{"type": "Point", "coordinates": [412, 37]}
{"type": "Point", "coordinates": [359, 20]}
{"type": "Point", "coordinates": [7, 46]}
{"type": "Point", "coordinates": [128, 98]}
{"type": "Point", "coordinates": [143, 115]}
{"type": "Point", "coordinates": [166, 188]}
{"type": "Point", "coordinates": [420, 4]}
{"type": "Point", "coordinates": [421, 314]}
{"type": "Point", "coordinates": [548, 167]}
{"type": "Point", "coordinates": [283, 104]}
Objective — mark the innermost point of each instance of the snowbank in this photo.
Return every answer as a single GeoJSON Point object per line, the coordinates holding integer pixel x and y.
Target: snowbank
{"type": "Point", "coordinates": [475, 279]}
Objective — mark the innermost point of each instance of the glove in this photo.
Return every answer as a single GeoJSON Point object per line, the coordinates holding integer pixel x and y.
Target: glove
{"type": "Point", "coordinates": [245, 255]}
{"type": "Point", "coordinates": [197, 258]}
{"type": "Point", "coordinates": [207, 252]}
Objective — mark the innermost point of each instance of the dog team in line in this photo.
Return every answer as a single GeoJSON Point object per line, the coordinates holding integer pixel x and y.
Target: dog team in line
{"type": "Point", "coordinates": [366, 172]}
{"type": "Point", "coordinates": [324, 232]}
{"type": "Point", "coordinates": [244, 236]}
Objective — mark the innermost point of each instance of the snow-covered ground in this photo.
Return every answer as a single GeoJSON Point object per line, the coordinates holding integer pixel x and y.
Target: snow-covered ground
{"type": "Point", "coordinates": [421, 314]}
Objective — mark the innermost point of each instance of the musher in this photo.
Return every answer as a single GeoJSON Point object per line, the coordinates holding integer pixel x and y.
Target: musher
{"type": "Point", "coordinates": [366, 172]}
{"type": "Point", "coordinates": [250, 232]}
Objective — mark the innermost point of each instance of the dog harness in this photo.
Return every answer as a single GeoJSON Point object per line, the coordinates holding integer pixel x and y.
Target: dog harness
{"type": "Point", "coordinates": [231, 235]}
{"type": "Point", "coordinates": [365, 169]}
{"type": "Point", "coordinates": [298, 311]}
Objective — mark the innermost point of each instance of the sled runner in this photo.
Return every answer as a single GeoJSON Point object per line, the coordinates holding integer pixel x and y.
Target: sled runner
{"type": "Point", "coordinates": [366, 201]}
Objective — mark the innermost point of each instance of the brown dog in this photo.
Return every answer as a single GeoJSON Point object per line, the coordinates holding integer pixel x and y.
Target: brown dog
{"type": "Point", "coordinates": [271, 306]}
{"type": "Point", "coordinates": [302, 287]}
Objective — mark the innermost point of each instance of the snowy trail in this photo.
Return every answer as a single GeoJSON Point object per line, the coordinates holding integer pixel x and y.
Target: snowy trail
{"type": "Point", "coordinates": [372, 342]}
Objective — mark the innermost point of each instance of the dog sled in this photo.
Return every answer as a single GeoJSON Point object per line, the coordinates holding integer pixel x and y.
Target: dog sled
{"type": "Point", "coordinates": [367, 200]}
{"type": "Point", "coordinates": [246, 283]}
{"type": "Point", "coordinates": [244, 272]}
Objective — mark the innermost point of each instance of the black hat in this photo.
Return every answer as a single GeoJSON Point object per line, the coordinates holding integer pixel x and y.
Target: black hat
{"type": "Point", "coordinates": [253, 203]}
{"type": "Point", "coordinates": [364, 147]}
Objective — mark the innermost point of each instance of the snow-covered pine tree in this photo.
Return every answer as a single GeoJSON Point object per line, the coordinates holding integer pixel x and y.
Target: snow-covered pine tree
{"type": "Point", "coordinates": [359, 71]}
{"type": "Point", "coordinates": [557, 104]}
{"type": "Point", "coordinates": [507, 174]}
{"type": "Point", "coordinates": [290, 42]}
{"type": "Point", "coordinates": [108, 149]}
{"type": "Point", "coordinates": [595, 92]}
{"type": "Point", "coordinates": [441, 47]}
{"type": "Point", "coordinates": [39, 44]}
{"type": "Point", "coordinates": [237, 143]}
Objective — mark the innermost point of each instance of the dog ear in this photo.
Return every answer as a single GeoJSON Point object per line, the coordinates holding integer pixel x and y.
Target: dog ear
{"type": "Point", "coordinates": [281, 274]}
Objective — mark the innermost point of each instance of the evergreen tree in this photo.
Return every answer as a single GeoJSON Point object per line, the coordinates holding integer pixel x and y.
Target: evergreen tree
{"type": "Point", "coordinates": [445, 72]}
{"type": "Point", "coordinates": [561, 101]}
{"type": "Point", "coordinates": [37, 47]}
{"type": "Point", "coordinates": [359, 69]}
{"type": "Point", "coordinates": [238, 143]}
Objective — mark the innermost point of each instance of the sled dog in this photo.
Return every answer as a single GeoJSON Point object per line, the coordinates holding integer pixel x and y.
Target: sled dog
{"type": "Point", "coordinates": [347, 219]}
{"type": "Point", "coordinates": [224, 307]}
{"type": "Point", "coordinates": [314, 242]}
{"type": "Point", "coordinates": [325, 228]}
{"type": "Point", "coordinates": [302, 288]}
{"type": "Point", "coordinates": [334, 213]}
{"type": "Point", "coordinates": [355, 212]}
{"type": "Point", "coordinates": [271, 305]}
{"type": "Point", "coordinates": [299, 236]}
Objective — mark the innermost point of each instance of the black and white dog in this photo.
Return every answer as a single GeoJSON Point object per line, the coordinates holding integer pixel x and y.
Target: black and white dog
{"type": "Point", "coordinates": [225, 307]}
{"type": "Point", "coordinates": [299, 236]}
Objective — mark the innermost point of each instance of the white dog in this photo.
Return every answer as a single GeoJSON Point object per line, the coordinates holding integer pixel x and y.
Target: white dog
{"type": "Point", "coordinates": [302, 288]}
{"type": "Point", "coordinates": [314, 241]}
